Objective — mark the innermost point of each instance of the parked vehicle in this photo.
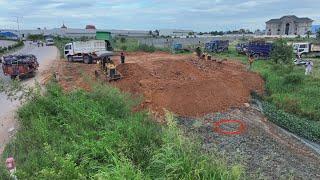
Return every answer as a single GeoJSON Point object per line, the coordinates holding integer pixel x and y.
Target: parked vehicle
{"type": "Point", "coordinates": [49, 42]}
{"type": "Point", "coordinates": [259, 49]}
{"type": "Point", "coordinates": [87, 51]}
{"type": "Point", "coordinates": [217, 46]}
{"type": "Point", "coordinates": [177, 46]}
{"type": "Point", "coordinates": [19, 65]}
{"type": "Point", "coordinates": [306, 49]}
{"type": "Point", "coordinates": [242, 48]}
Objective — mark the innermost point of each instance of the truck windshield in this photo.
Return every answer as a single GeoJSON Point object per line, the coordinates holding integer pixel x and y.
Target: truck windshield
{"type": "Point", "coordinates": [68, 47]}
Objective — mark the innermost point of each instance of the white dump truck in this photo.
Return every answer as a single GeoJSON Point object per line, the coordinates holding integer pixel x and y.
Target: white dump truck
{"type": "Point", "coordinates": [306, 49]}
{"type": "Point", "coordinates": [87, 51]}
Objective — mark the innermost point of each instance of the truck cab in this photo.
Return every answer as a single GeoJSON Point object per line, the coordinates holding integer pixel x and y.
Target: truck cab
{"type": "Point", "coordinates": [301, 48]}
{"type": "Point", "coordinates": [68, 50]}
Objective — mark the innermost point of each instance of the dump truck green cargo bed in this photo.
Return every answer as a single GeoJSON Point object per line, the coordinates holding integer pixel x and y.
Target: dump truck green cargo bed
{"type": "Point", "coordinates": [103, 35]}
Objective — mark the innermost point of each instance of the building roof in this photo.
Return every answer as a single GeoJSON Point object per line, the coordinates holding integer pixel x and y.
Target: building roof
{"type": "Point", "coordinates": [63, 26]}
{"type": "Point", "coordinates": [90, 26]}
{"type": "Point", "coordinates": [295, 18]}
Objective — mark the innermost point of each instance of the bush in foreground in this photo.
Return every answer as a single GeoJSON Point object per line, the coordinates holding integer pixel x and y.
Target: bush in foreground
{"type": "Point", "coordinates": [94, 135]}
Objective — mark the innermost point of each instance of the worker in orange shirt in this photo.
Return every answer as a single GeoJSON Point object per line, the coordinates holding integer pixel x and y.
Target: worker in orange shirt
{"type": "Point", "coordinates": [250, 61]}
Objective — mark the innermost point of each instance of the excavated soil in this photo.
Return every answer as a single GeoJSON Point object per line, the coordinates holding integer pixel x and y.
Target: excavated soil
{"type": "Point", "coordinates": [186, 85]}
{"type": "Point", "coordinates": [182, 84]}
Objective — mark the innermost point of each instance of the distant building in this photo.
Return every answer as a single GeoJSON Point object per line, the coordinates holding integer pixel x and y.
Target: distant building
{"type": "Point", "coordinates": [288, 25]}
{"type": "Point", "coordinates": [63, 26]}
{"type": "Point", "coordinates": [90, 27]}
{"type": "Point", "coordinates": [89, 32]}
{"type": "Point", "coordinates": [174, 32]}
{"type": "Point", "coordinates": [8, 35]}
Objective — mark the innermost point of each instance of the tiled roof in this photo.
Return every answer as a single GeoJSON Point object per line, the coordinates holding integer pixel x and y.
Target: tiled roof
{"type": "Point", "coordinates": [295, 18]}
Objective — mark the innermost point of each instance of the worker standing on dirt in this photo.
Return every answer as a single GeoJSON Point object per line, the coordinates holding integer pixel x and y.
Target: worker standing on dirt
{"type": "Point", "coordinates": [122, 57]}
{"type": "Point", "coordinates": [250, 61]}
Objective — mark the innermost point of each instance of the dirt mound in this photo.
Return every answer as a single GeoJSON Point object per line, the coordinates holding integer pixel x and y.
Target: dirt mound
{"type": "Point", "coordinates": [187, 86]}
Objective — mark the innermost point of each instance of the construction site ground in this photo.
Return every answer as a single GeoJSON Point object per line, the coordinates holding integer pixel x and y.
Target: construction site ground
{"type": "Point", "coordinates": [200, 93]}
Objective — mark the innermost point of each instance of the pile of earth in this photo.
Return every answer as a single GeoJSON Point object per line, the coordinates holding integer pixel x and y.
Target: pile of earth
{"type": "Point", "coordinates": [186, 85]}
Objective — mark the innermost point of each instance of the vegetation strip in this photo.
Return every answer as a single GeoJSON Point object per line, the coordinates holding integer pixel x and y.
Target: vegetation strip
{"type": "Point", "coordinates": [292, 99]}
{"type": "Point", "coordinates": [83, 135]}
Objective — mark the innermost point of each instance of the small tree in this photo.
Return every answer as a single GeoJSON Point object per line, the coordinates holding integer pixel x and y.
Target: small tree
{"type": "Point", "coordinates": [308, 34]}
{"type": "Point", "coordinates": [122, 40]}
{"type": "Point", "coordinates": [281, 52]}
{"type": "Point", "coordinates": [318, 34]}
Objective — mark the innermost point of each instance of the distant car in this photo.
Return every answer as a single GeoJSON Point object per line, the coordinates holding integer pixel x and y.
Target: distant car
{"type": "Point", "coordinates": [49, 42]}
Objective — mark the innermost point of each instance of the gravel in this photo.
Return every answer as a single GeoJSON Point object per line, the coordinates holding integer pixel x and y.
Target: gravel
{"type": "Point", "coordinates": [265, 150]}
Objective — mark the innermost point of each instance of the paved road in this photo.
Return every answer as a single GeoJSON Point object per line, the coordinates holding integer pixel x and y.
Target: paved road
{"type": "Point", "coordinates": [45, 56]}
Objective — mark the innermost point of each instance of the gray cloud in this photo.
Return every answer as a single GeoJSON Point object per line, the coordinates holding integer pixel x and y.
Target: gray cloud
{"type": "Point", "coordinates": [201, 15]}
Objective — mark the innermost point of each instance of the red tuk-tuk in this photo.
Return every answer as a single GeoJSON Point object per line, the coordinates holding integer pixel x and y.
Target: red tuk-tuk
{"type": "Point", "coordinates": [19, 65]}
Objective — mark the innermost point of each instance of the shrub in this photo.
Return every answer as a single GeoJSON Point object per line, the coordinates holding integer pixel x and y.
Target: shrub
{"type": "Point", "coordinates": [123, 47]}
{"type": "Point", "coordinates": [281, 52]}
{"type": "Point", "coordinates": [122, 40]}
{"type": "Point", "coordinates": [301, 126]}
{"type": "Point", "coordinates": [318, 34]}
{"type": "Point", "coordinates": [33, 37]}
{"type": "Point", "coordinates": [146, 48]}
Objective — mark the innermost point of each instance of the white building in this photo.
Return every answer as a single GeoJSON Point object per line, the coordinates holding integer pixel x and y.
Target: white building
{"type": "Point", "coordinates": [78, 33]}
{"type": "Point", "coordinates": [288, 25]}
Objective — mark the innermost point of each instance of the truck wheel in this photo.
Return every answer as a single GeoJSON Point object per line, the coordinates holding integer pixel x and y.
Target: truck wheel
{"type": "Point", "coordinates": [90, 60]}
{"type": "Point", "coordinates": [70, 58]}
{"type": "Point", "coordinates": [86, 59]}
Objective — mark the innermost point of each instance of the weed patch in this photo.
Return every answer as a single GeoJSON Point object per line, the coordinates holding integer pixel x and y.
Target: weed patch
{"type": "Point", "coordinates": [95, 135]}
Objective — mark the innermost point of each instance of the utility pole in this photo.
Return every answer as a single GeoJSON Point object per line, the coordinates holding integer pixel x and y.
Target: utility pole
{"type": "Point", "coordinates": [18, 25]}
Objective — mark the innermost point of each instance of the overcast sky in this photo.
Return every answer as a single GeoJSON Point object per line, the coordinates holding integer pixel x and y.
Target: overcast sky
{"type": "Point", "coordinates": [198, 15]}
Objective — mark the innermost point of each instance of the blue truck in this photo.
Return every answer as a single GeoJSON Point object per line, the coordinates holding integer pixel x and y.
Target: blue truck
{"type": "Point", "coordinates": [259, 50]}
{"type": "Point", "coordinates": [217, 46]}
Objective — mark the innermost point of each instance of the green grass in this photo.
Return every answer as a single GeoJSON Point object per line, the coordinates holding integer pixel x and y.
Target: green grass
{"type": "Point", "coordinates": [290, 91]}
{"type": "Point", "coordinates": [18, 45]}
{"type": "Point", "coordinates": [95, 135]}
{"type": "Point", "coordinates": [132, 45]}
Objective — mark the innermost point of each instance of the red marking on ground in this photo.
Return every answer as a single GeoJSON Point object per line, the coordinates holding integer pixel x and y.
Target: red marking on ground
{"type": "Point", "coordinates": [217, 127]}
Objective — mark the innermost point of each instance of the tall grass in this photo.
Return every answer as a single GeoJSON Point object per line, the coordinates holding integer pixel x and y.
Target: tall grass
{"type": "Point", "coordinates": [291, 92]}
{"type": "Point", "coordinates": [95, 135]}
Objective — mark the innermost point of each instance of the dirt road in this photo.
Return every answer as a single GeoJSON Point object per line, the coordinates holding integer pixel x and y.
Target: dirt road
{"type": "Point", "coordinates": [46, 56]}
